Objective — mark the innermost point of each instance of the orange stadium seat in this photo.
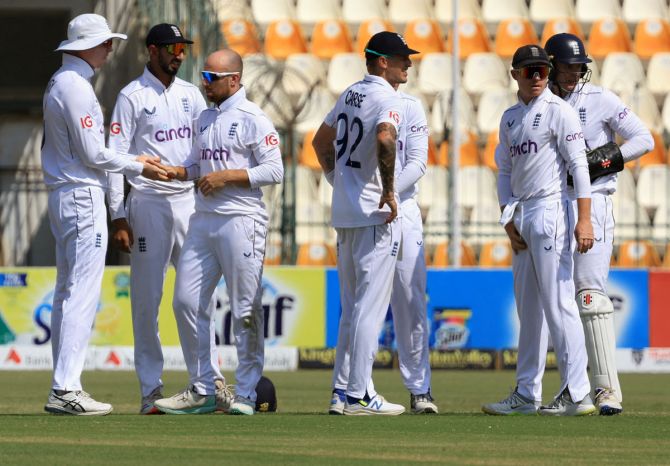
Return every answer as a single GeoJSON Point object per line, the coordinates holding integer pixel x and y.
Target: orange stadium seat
{"type": "Point", "coordinates": [657, 156]}
{"type": "Point", "coordinates": [666, 259]}
{"type": "Point", "coordinates": [608, 35]}
{"type": "Point", "coordinates": [638, 253]}
{"type": "Point", "coordinates": [241, 36]}
{"type": "Point", "coordinates": [469, 154]}
{"type": "Point", "coordinates": [316, 254]}
{"type": "Point", "coordinates": [441, 255]}
{"type": "Point", "coordinates": [489, 157]}
{"type": "Point", "coordinates": [496, 254]}
{"type": "Point", "coordinates": [472, 38]}
{"type": "Point", "coordinates": [512, 34]}
{"type": "Point", "coordinates": [330, 38]}
{"type": "Point", "coordinates": [425, 36]}
{"type": "Point", "coordinates": [307, 155]}
{"type": "Point", "coordinates": [283, 38]}
{"type": "Point", "coordinates": [273, 252]}
{"type": "Point", "coordinates": [651, 36]}
{"type": "Point", "coordinates": [560, 25]}
{"type": "Point", "coordinates": [369, 28]}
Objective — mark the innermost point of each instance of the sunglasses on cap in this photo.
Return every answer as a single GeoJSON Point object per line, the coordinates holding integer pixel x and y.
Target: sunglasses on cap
{"type": "Point", "coordinates": [176, 49]}
{"type": "Point", "coordinates": [211, 76]}
{"type": "Point", "coordinates": [530, 72]}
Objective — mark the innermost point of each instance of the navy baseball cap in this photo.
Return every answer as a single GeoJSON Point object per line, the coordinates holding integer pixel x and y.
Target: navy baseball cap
{"type": "Point", "coordinates": [386, 43]}
{"type": "Point", "coordinates": [166, 34]}
{"type": "Point", "coordinates": [529, 55]}
{"type": "Point", "coordinates": [266, 396]}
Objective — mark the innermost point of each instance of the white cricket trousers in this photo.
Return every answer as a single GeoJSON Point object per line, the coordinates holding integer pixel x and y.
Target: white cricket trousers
{"type": "Point", "coordinates": [78, 220]}
{"type": "Point", "coordinates": [544, 288]}
{"type": "Point", "coordinates": [408, 303]}
{"type": "Point", "coordinates": [592, 268]}
{"type": "Point", "coordinates": [159, 224]}
{"type": "Point", "coordinates": [366, 260]}
{"type": "Point", "coordinates": [232, 246]}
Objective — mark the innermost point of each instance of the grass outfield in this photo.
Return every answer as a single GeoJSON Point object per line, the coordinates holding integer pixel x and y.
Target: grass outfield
{"type": "Point", "coordinates": [302, 432]}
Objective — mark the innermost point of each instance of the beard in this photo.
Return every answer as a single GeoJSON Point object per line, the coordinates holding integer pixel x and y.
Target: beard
{"type": "Point", "coordinates": [166, 68]}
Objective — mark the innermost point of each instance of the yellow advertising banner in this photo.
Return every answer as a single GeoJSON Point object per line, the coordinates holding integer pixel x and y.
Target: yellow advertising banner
{"type": "Point", "coordinates": [293, 304]}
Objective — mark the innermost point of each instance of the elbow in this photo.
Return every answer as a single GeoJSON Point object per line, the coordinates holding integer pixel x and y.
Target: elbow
{"type": "Point", "coordinates": [278, 174]}
{"type": "Point", "coordinates": [649, 143]}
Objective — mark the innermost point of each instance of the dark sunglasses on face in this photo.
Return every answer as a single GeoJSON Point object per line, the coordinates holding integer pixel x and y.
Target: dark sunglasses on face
{"type": "Point", "coordinates": [529, 72]}
{"type": "Point", "coordinates": [211, 76]}
{"type": "Point", "coordinates": [176, 49]}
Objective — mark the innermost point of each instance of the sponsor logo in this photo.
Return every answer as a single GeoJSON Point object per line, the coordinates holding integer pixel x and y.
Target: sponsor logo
{"type": "Point", "coordinates": [13, 356]}
{"type": "Point", "coordinates": [354, 99]}
{"type": "Point", "coordinates": [214, 154]}
{"type": "Point", "coordinates": [186, 104]}
{"type": "Point", "coordinates": [376, 403]}
{"type": "Point", "coordinates": [510, 123]}
{"type": "Point", "coordinates": [547, 248]}
{"type": "Point", "coordinates": [575, 47]}
{"type": "Point", "coordinates": [395, 116]}
{"type": "Point", "coordinates": [587, 299]}
{"type": "Point", "coordinates": [638, 356]}
{"type": "Point", "coordinates": [142, 243]}
{"type": "Point", "coordinates": [419, 129]}
{"type": "Point", "coordinates": [605, 163]}
{"type": "Point", "coordinates": [271, 140]}
{"type": "Point", "coordinates": [324, 358]}
{"type": "Point", "coordinates": [98, 240]}
{"type": "Point", "coordinates": [510, 357]}
{"type": "Point", "coordinates": [176, 31]}
{"type": "Point", "coordinates": [582, 115]}
{"type": "Point", "coordinates": [171, 134]}
{"type": "Point", "coordinates": [86, 122]}
{"type": "Point", "coordinates": [232, 131]}
{"type": "Point", "coordinates": [246, 254]}
{"type": "Point", "coordinates": [451, 331]}
{"type": "Point", "coordinates": [623, 114]}
{"type": "Point", "coordinates": [526, 147]}
{"type": "Point", "coordinates": [115, 127]}
{"type": "Point", "coordinates": [151, 112]}
{"type": "Point", "coordinates": [12, 280]}
{"type": "Point", "coordinates": [574, 136]}
{"type": "Point", "coordinates": [113, 359]}
{"type": "Point", "coordinates": [394, 250]}
{"type": "Point", "coordinates": [462, 359]}
{"type": "Point", "coordinates": [203, 128]}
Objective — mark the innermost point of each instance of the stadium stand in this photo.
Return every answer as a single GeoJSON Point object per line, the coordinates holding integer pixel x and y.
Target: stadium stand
{"type": "Point", "coordinates": [425, 36]}
{"type": "Point", "coordinates": [608, 35]}
{"type": "Point", "coordinates": [513, 33]}
{"type": "Point", "coordinates": [472, 38]}
{"type": "Point", "coordinates": [283, 38]}
{"type": "Point", "coordinates": [638, 253]}
{"type": "Point", "coordinates": [355, 12]}
{"type": "Point", "coordinates": [329, 38]}
{"type": "Point", "coordinates": [542, 11]}
{"type": "Point", "coordinates": [369, 28]}
{"type": "Point", "coordinates": [652, 36]}
{"type": "Point", "coordinates": [496, 254]}
{"type": "Point", "coordinates": [269, 11]}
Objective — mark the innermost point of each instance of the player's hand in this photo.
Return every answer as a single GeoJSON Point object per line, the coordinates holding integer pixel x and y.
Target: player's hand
{"type": "Point", "coordinates": [584, 235]}
{"type": "Point", "coordinates": [518, 243]}
{"type": "Point", "coordinates": [212, 181]}
{"type": "Point", "coordinates": [153, 168]}
{"type": "Point", "coordinates": [122, 234]}
{"type": "Point", "coordinates": [388, 198]}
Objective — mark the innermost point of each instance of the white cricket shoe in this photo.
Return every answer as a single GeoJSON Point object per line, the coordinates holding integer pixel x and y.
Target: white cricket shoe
{"type": "Point", "coordinates": [377, 405]}
{"type": "Point", "coordinates": [225, 396]}
{"type": "Point", "coordinates": [607, 403]}
{"type": "Point", "coordinates": [337, 402]}
{"type": "Point", "coordinates": [514, 405]}
{"type": "Point", "coordinates": [78, 403]}
{"type": "Point", "coordinates": [422, 404]}
{"type": "Point", "coordinates": [564, 406]}
{"type": "Point", "coordinates": [148, 401]}
{"type": "Point", "coordinates": [242, 405]}
{"type": "Point", "coordinates": [187, 402]}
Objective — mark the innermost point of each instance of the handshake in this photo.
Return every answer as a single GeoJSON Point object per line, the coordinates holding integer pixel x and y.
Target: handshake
{"type": "Point", "coordinates": [154, 170]}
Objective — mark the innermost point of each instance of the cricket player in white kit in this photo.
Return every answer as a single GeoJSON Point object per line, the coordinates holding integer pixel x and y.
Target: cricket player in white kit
{"type": "Point", "coordinates": [408, 297]}
{"type": "Point", "coordinates": [602, 115]}
{"type": "Point", "coordinates": [356, 147]}
{"type": "Point", "coordinates": [74, 162]}
{"type": "Point", "coordinates": [540, 137]}
{"type": "Point", "coordinates": [155, 114]}
{"type": "Point", "coordinates": [236, 151]}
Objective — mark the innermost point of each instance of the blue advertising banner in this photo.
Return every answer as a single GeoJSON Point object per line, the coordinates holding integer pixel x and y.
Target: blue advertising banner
{"type": "Point", "coordinates": [475, 309]}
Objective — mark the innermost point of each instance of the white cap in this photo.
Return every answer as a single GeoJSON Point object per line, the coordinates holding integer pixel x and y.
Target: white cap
{"type": "Point", "coordinates": [87, 31]}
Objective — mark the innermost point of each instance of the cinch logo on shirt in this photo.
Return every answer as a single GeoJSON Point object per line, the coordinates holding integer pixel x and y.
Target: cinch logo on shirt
{"type": "Point", "coordinates": [523, 148]}
{"type": "Point", "coordinates": [163, 135]}
{"type": "Point", "coordinates": [623, 114]}
{"type": "Point", "coordinates": [574, 136]}
{"type": "Point", "coordinates": [214, 154]}
{"type": "Point", "coordinates": [419, 129]}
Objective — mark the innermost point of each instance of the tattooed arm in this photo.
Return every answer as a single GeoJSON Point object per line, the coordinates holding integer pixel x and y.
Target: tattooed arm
{"type": "Point", "coordinates": [386, 147]}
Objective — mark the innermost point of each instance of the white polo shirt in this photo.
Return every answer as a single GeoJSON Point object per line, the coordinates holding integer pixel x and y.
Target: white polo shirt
{"type": "Point", "coordinates": [357, 186]}
{"type": "Point", "coordinates": [412, 152]}
{"type": "Point", "coordinates": [538, 142]}
{"type": "Point", "coordinates": [236, 135]}
{"type": "Point", "coordinates": [151, 119]}
{"type": "Point", "coordinates": [602, 115]}
{"type": "Point", "coordinates": [73, 148]}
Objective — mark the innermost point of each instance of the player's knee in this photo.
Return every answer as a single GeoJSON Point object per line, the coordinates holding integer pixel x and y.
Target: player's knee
{"type": "Point", "coordinates": [594, 302]}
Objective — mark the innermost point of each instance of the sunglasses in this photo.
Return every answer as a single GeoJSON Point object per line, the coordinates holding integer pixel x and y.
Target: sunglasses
{"type": "Point", "coordinates": [176, 49]}
{"type": "Point", "coordinates": [530, 72]}
{"type": "Point", "coordinates": [211, 76]}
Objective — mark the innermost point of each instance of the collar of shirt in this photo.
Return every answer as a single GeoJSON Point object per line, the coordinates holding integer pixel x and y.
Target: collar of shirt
{"type": "Point", "coordinates": [153, 81]}
{"type": "Point", "coordinates": [379, 80]}
{"type": "Point", "coordinates": [545, 93]}
{"type": "Point", "coordinates": [233, 100]}
{"type": "Point", "coordinates": [76, 64]}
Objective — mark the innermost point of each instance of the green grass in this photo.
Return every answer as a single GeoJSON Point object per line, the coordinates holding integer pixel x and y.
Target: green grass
{"type": "Point", "coordinates": [301, 433]}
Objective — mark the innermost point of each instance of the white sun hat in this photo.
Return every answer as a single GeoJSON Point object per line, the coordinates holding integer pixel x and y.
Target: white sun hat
{"type": "Point", "coordinates": [87, 31]}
